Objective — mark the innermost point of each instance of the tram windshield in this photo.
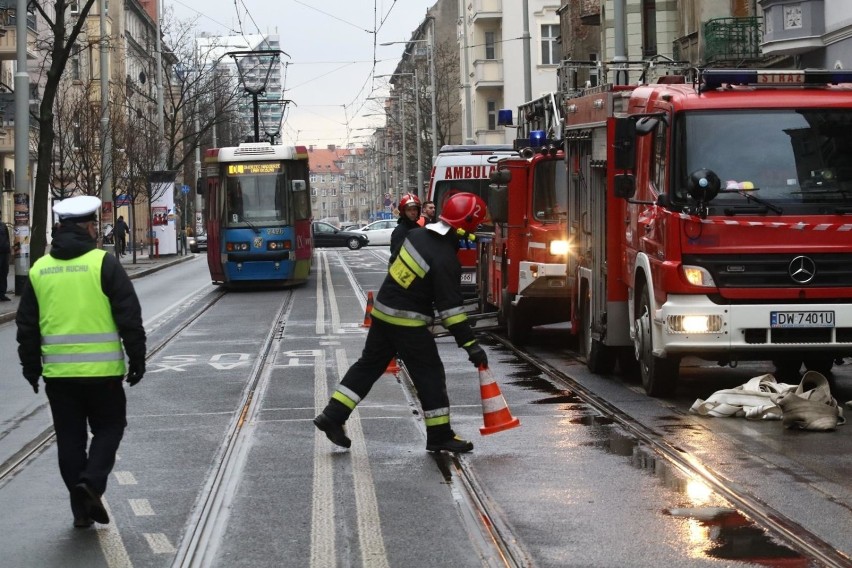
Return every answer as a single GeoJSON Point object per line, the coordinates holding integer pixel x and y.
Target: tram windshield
{"type": "Point", "coordinates": [256, 194]}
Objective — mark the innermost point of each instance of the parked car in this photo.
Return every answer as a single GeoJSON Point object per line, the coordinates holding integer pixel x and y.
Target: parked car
{"type": "Point", "coordinates": [197, 243]}
{"type": "Point", "coordinates": [326, 235]}
{"type": "Point", "coordinates": [379, 232]}
{"type": "Point", "coordinates": [351, 226]}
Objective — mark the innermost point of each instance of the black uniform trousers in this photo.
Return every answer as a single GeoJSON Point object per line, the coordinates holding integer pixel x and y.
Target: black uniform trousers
{"type": "Point", "coordinates": [74, 405]}
{"type": "Point", "coordinates": [417, 349]}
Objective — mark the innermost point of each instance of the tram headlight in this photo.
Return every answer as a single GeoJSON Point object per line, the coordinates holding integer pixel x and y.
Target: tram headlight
{"type": "Point", "coordinates": [278, 245]}
{"type": "Point", "coordinates": [236, 246]}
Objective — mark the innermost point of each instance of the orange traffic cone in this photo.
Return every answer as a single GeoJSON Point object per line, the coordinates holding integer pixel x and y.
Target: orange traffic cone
{"type": "Point", "coordinates": [393, 366]}
{"type": "Point", "coordinates": [495, 413]}
{"type": "Point", "coordinates": [368, 318]}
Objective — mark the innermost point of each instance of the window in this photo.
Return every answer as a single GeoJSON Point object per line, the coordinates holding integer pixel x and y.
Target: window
{"type": "Point", "coordinates": [649, 27]}
{"type": "Point", "coordinates": [594, 79]}
{"type": "Point", "coordinates": [492, 114]}
{"type": "Point", "coordinates": [549, 45]}
{"type": "Point", "coordinates": [75, 68]}
{"type": "Point", "coordinates": [489, 45]}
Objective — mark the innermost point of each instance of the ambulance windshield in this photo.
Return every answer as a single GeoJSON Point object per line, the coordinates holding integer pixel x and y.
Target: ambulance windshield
{"type": "Point", "coordinates": [797, 160]}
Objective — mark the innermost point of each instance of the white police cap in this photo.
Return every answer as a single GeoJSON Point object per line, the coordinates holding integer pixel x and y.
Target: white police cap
{"type": "Point", "coordinates": [78, 209]}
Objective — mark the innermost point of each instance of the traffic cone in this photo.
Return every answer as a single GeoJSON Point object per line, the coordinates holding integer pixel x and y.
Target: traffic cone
{"type": "Point", "coordinates": [393, 366]}
{"type": "Point", "coordinates": [368, 318]}
{"type": "Point", "coordinates": [495, 413]}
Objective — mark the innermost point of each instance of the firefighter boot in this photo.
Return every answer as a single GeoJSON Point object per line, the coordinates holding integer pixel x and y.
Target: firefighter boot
{"type": "Point", "coordinates": [442, 437]}
{"type": "Point", "coordinates": [331, 420]}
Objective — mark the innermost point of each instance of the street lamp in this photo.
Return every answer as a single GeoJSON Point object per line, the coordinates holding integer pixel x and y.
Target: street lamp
{"type": "Point", "coordinates": [433, 87]}
{"type": "Point", "coordinates": [417, 130]}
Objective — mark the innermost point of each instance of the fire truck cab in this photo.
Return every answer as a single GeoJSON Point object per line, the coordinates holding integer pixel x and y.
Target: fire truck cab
{"type": "Point", "coordinates": [712, 219]}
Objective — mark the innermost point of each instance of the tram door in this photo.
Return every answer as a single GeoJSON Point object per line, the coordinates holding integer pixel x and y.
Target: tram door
{"type": "Point", "coordinates": [214, 229]}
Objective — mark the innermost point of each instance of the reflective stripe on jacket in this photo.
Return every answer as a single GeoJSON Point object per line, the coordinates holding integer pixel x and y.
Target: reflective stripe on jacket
{"type": "Point", "coordinates": [79, 337]}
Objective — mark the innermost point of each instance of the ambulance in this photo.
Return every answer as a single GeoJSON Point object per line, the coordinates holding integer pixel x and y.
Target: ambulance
{"type": "Point", "coordinates": [466, 168]}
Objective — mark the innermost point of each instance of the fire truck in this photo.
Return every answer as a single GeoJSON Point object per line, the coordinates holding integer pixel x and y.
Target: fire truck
{"type": "Point", "coordinates": [712, 218]}
{"type": "Point", "coordinates": [466, 168]}
{"type": "Point", "coordinates": [523, 266]}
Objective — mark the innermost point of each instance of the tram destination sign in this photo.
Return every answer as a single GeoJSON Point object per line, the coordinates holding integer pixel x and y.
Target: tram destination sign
{"type": "Point", "coordinates": [254, 168]}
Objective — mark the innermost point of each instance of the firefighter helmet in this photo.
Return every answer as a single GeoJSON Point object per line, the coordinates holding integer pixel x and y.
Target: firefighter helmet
{"type": "Point", "coordinates": [463, 211]}
{"type": "Point", "coordinates": [408, 200]}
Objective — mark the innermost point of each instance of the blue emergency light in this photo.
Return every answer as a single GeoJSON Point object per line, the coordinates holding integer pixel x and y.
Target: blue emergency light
{"type": "Point", "coordinates": [537, 138]}
{"type": "Point", "coordinates": [504, 117]}
{"type": "Point", "coordinates": [716, 78]}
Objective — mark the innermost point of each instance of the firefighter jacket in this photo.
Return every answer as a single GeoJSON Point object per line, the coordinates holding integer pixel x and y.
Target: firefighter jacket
{"type": "Point", "coordinates": [425, 274]}
{"type": "Point", "coordinates": [403, 225]}
{"type": "Point", "coordinates": [76, 310]}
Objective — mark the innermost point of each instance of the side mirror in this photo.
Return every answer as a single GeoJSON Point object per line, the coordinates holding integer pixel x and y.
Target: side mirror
{"type": "Point", "coordinates": [498, 195]}
{"type": "Point", "coordinates": [625, 186]}
{"type": "Point", "coordinates": [299, 185]}
{"type": "Point", "coordinates": [625, 144]}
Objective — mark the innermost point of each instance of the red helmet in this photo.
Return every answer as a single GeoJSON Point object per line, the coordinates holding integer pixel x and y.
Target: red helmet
{"type": "Point", "coordinates": [408, 200]}
{"type": "Point", "coordinates": [463, 211]}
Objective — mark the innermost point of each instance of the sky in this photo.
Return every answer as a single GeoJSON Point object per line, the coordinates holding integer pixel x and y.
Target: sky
{"type": "Point", "coordinates": [333, 56]}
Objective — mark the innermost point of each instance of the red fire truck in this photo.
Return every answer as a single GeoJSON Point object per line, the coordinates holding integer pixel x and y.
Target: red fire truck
{"type": "Point", "coordinates": [712, 218]}
{"type": "Point", "coordinates": [466, 168]}
{"type": "Point", "coordinates": [523, 267]}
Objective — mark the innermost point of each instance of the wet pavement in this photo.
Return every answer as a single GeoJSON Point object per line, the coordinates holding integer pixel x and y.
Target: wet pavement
{"type": "Point", "coordinates": [143, 266]}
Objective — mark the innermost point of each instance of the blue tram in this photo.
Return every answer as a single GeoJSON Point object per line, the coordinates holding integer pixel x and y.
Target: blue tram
{"type": "Point", "coordinates": [258, 214]}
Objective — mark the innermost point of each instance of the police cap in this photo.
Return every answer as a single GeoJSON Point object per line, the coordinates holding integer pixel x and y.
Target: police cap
{"type": "Point", "coordinates": [77, 209]}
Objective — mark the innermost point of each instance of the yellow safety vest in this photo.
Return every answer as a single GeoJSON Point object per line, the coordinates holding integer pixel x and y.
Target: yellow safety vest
{"type": "Point", "coordinates": [79, 337]}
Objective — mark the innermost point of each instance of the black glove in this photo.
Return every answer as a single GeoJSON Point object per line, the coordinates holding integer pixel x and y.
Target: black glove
{"type": "Point", "coordinates": [477, 356]}
{"type": "Point", "coordinates": [137, 371]}
{"type": "Point", "coordinates": [34, 382]}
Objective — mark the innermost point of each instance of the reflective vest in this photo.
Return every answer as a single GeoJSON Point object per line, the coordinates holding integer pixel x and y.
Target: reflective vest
{"type": "Point", "coordinates": [79, 337]}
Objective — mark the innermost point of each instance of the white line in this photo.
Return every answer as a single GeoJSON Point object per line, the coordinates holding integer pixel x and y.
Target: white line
{"type": "Point", "coordinates": [320, 322]}
{"type": "Point", "coordinates": [332, 301]}
{"type": "Point", "coordinates": [141, 507]}
{"type": "Point", "coordinates": [370, 537]}
{"type": "Point", "coordinates": [111, 544]}
{"type": "Point", "coordinates": [171, 311]}
{"type": "Point", "coordinates": [125, 477]}
{"type": "Point", "coordinates": [323, 552]}
{"type": "Point", "coordinates": [159, 543]}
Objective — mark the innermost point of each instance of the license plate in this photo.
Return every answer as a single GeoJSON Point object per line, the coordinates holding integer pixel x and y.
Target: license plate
{"type": "Point", "coordinates": [801, 319]}
{"type": "Point", "coordinates": [468, 278]}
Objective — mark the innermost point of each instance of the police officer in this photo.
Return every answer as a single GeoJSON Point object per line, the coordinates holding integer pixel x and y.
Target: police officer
{"type": "Point", "coordinates": [409, 213]}
{"type": "Point", "coordinates": [77, 309]}
{"type": "Point", "coordinates": [426, 272]}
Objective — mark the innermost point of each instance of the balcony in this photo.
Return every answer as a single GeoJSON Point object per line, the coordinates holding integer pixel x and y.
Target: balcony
{"type": "Point", "coordinates": [487, 9]}
{"type": "Point", "coordinates": [9, 34]}
{"type": "Point", "coordinates": [487, 73]}
{"type": "Point", "coordinates": [732, 40]}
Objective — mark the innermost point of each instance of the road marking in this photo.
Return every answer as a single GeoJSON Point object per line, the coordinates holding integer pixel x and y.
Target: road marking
{"type": "Point", "coordinates": [322, 513]}
{"type": "Point", "coordinates": [159, 543]}
{"type": "Point", "coordinates": [370, 537]}
{"type": "Point", "coordinates": [111, 544]}
{"type": "Point", "coordinates": [125, 477]}
{"type": "Point", "coordinates": [320, 321]}
{"type": "Point", "coordinates": [141, 507]}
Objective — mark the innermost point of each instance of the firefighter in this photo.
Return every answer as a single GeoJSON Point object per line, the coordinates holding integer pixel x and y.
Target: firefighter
{"type": "Point", "coordinates": [409, 213]}
{"type": "Point", "coordinates": [77, 309]}
{"type": "Point", "coordinates": [426, 272]}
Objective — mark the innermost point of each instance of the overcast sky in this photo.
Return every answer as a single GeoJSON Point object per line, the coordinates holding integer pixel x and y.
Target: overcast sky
{"type": "Point", "coordinates": [332, 48]}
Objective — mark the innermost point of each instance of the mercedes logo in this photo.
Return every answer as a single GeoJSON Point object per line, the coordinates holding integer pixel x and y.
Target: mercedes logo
{"type": "Point", "coordinates": [802, 269]}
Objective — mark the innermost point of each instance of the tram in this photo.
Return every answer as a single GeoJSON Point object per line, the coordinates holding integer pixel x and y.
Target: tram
{"type": "Point", "coordinates": [258, 214]}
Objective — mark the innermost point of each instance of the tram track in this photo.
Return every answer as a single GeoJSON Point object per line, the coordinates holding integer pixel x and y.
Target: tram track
{"type": "Point", "coordinates": [208, 519]}
{"type": "Point", "coordinates": [45, 438]}
{"type": "Point", "coordinates": [762, 514]}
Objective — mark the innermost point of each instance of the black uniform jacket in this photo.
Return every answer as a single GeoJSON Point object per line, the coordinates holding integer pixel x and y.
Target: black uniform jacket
{"type": "Point", "coordinates": [72, 241]}
{"type": "Point", "coordinates": [403, 225]}
{"type": "Point", "coordinates": [439, 287]}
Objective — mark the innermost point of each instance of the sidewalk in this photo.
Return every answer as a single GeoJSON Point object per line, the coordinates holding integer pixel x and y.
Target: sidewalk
{"type": "Point", "coordinates": [144, 265]}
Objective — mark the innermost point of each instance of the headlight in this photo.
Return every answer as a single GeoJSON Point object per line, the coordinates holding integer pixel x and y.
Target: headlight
{"type": "Point", "coordinates": [559, 247]}
{"type": "Point", "coordinates": [698, 276]}
{"type": "Point", "coordinates": [694, 324]}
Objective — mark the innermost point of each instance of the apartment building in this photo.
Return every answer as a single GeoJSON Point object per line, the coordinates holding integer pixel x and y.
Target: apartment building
{"type": "Point", "coordinates": [816, 33]}
{"type": "Point", "coordinates": [339, 184]}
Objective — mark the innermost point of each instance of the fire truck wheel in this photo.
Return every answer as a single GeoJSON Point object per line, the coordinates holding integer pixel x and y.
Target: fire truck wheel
{"type": "Point", "coordinates": [659, 376]}
{"type": "Point", "coordinates": [599, 359]}
{"type": "Point", "coordinates": [517, 324]}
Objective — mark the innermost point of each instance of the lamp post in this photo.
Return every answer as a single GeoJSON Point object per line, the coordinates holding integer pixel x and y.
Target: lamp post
{"type": "Point", "coordinates": [416, 130]}
{"type": "Point", "coordinates": [432, 86]}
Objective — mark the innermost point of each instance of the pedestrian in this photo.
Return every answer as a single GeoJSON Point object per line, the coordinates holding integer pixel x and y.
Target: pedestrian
{"type": "Point", "coordinates": [409, 212]}
{"type": "Point", "coordinates": [427, 213]}
{"type": "Point", "coordinates": [426, 273]}
{"type": "Point", "coordinates": [77, 308]}
{"type": "Point", "coordinates": [121, 230]}
{"type": "Point", "coordinates": [5, 259]}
